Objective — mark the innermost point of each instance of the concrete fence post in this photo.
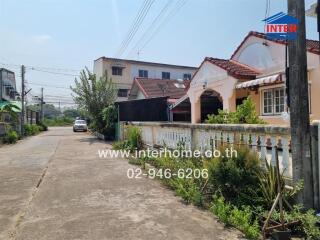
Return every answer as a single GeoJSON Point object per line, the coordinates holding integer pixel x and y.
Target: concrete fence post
{"type": "Point", "coordinates": [315, 147]}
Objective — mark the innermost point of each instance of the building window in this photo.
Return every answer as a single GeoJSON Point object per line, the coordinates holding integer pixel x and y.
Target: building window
{"type": "Point", "coordinates": [278, 100]}
{"type": "Point", "coordinates": [117, 71]}
{"type": "Point", "coordinates": [122, 92]}
{"type": "Point", "coordinates": [165, 75]}
{"type": "Point", "coordinates": [143, 73]}
{"type": "Point", "coordinates": [187, 76]}
{"type": "Point", "coordinates": [273, 101]}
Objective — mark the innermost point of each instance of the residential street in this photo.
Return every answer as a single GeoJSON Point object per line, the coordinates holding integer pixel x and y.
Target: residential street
{"type": "Point", "coordinates": [54, 186]}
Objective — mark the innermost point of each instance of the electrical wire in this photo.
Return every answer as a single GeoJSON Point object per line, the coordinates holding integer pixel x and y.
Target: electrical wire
{"type": "Point", "coordinates": [56, 73]}
{"type": "Point", "coordinates": [178, 6]}
{"type": "Point", "coordinates": [135, 26]}
{"type": "Point", "coordinates": [151, 27]}
{"type": "Point", "coordinates": [50, 86]}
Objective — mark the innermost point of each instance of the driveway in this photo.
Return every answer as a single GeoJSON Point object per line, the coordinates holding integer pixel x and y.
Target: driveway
{"type": "Point", "coordinates": [54, 186]}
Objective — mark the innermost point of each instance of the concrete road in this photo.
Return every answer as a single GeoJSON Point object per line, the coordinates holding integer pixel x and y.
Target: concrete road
{"type": "Point", "coordinates": [54, 186]}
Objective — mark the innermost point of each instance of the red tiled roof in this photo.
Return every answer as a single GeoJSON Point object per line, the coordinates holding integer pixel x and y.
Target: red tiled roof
{"type": "Point", "coordinates": [153, 87]}
{"type": "Point", "coordinates": [234, 68]}
{"type": "Point", "coordinates": [312, 45]}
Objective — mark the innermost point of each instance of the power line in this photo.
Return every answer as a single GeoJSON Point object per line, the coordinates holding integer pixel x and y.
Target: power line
{"type": "Point", "coordinates": [135, 22]}
{"type": "Point", "coordinates": [151, 27]}
{"type": "Point", "coordinates": [178, 6]}
{"type": "Point", "coordinates": [56, 73]}
{"type": "Point", "coordinates": [59, 71]}
{"type": "Point", "coordinates": [135, 26]}
{"type": "Point", "coordinates": [50, 86]}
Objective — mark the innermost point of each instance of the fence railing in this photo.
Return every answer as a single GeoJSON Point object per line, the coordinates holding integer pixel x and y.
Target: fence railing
{"type": "Point", "coordinates": [260, 138]}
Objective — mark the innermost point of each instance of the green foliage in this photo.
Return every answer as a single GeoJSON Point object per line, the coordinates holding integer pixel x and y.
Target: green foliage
{"type": "Point", "coordinates": [31, 129]}
{"type": "Point", "coordinates": [308, 226]}
{"type": "Point", "coordinates": [10, 137]}
{"type": "Point", "coordinates": [188, 189]}
{"type": "Point", "coordinates": [49, 110]}
{"type": "Point", "coordinates": [134, 137]}
{"type": "Point", "coordinates": [245, 113]}
{"type": "Point", "coordinates": [243, 219]}
{"type": "Point", "coordinates": [110, 116]}
{"type": "Point", "coordinates": [268, 186]}
{"type": "Point", "coordinates": [72, 113]}
{"type": "Point", "coordinates": [42, 126]}
{"type": "Point", "coordinates": [93, 95]}
{"type": "Point", "coordinates": [59, 121]}
{"type": "Point", "coordinates": [133, 142]}
{"type": "Point", "coordinates": [235, 177]}
{"type": "Point", "coordinates": [119, 145]}
{"type": "Point", "coordinates": [238, 190]}
{"type": "Point", "coordinates": [308, 221]}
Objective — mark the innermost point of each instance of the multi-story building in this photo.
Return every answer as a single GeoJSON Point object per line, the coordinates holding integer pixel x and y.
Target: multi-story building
{"type": "Point", "coordinates": [124, 71]}
{"type": "Point", "coordinates": [7, 85]}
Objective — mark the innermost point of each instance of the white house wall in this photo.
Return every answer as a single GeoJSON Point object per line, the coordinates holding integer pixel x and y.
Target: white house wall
{"type": "Point", "coordinates": [214, 78]}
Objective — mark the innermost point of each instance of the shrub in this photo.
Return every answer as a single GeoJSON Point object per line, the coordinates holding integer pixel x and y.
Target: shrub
{"type": "Point", "coordinates": [11, 137]}
{"type": "Point", "coordinates": [243, 219]}
{"type": "Point", "coordinates": [268, 186]}
{"type": "Point", "coordinates": [245, 113]}
{"type": "Point", "coordinates": [134, 137]}
{"type": "Point", "coordinates": [42, 126]}
{"type": "Point", "coordinates": [31, 129]}
{"type": "Point", "coordinates": [59, 121]}
{"type": "Point", "coordinates": [188, 190]}
{"type": "Point", "coordinates": [110, 116]}
{"type": "Point", "coordinates": [235, 177]}
{"type": "Point", "coordinates": [308, 226]}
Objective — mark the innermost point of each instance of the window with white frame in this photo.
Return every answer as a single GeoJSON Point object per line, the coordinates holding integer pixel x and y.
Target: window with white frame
{"type": "Point", "coordinates": [278, 100]}
{"type": "Point", "coordinates": [273, 101]}
{"type": "Point", "coordinates": [267, 102]}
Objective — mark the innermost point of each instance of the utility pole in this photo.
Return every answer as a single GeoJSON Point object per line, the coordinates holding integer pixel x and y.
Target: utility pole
{"type": "Point", "coordinates": [299, 106]}
{"type": "Point", "coordinates": [23, 70]}
{"type": "Point", "coordinates": [41, 105]}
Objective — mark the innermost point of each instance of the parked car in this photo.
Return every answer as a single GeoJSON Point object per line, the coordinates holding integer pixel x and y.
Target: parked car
{"type": "Point", "coordinates": [80, 125]}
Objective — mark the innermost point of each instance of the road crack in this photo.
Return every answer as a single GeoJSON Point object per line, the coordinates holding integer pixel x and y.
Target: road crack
{"type": "Point", "coordinates": [22, 212]}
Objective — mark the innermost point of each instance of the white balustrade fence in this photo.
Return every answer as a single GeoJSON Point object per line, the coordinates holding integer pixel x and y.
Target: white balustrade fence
{"type": "Point", "coordinates": [262, 139]}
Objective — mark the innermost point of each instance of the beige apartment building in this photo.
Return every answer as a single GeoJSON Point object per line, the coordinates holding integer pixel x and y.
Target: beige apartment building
{"type": "Point", "coordinates": [123, 72]}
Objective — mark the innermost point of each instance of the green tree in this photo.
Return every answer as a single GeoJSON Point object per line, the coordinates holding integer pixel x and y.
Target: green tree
{"type": "Point", "coordinates": [49, 110]}
{"type": "Point", "coordinates": [72, 113]}
{"type": "Point", "coordinates": [93, 95]}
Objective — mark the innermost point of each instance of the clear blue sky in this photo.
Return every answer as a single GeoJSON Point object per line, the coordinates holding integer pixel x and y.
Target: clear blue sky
{"type": "Point", "coordinates": [70, 34]}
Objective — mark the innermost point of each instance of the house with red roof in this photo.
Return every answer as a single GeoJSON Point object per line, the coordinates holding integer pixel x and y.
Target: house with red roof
{"type": "Point", "coordinates": [256, 69]}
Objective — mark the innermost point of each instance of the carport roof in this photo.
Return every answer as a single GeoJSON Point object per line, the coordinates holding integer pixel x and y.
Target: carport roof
{"type": "Point", "coordinates": [153, 87]}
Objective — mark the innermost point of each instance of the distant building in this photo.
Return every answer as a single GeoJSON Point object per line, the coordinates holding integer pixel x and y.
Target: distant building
{"type": "Point", "coordinates": [8, 90]}
{"type": "Point", "coordinates": [123, 72]}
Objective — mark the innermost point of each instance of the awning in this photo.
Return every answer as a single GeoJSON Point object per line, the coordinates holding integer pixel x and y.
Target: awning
{"type": "Point", "coordinates": [277, 78]}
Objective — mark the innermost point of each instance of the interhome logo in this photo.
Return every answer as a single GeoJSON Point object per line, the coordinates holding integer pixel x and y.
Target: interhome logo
{"type": "Point", "coordinates": [281, 27]}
